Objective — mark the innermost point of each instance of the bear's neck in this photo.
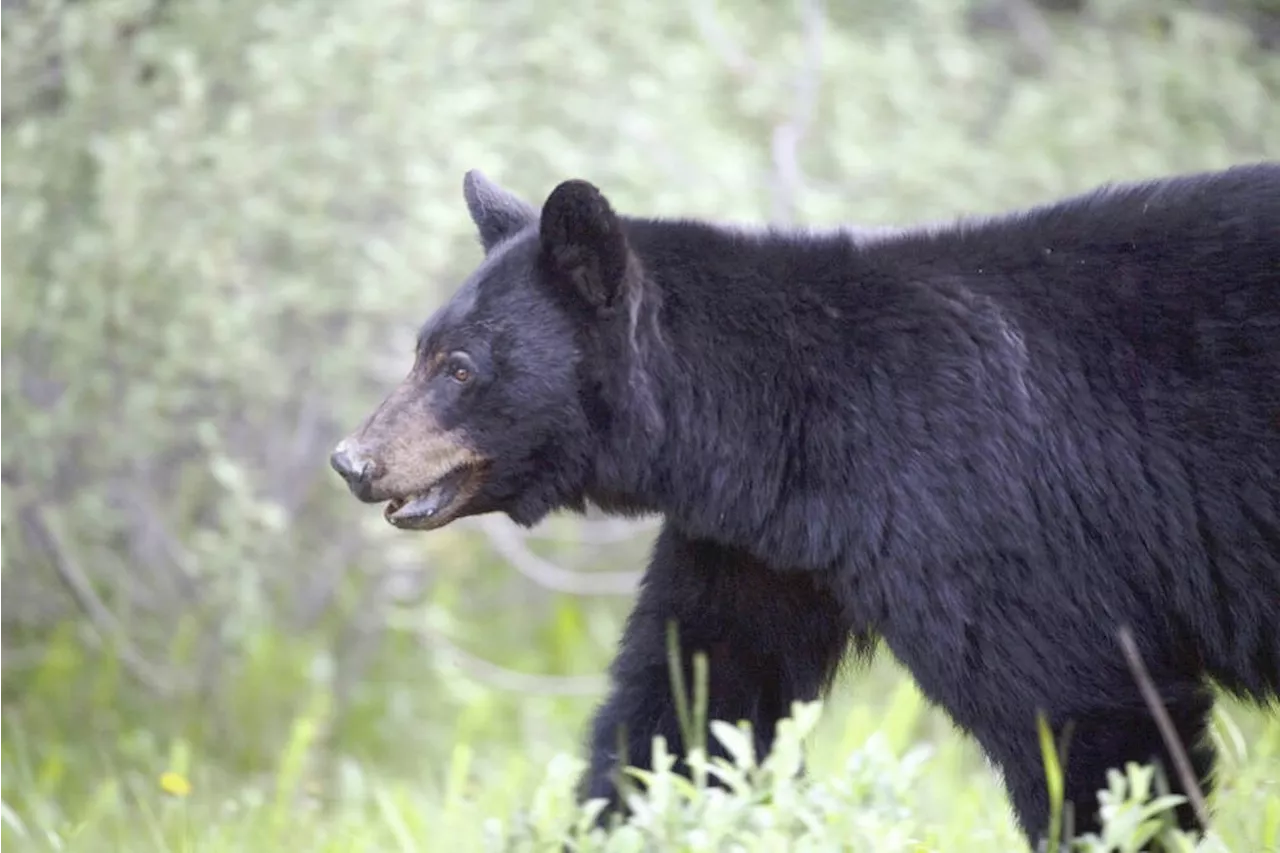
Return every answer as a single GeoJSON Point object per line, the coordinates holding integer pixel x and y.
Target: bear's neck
{"type": "Point", "coordinates": [730, 403]}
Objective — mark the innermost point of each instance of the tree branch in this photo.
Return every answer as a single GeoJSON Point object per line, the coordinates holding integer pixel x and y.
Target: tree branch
{"type": "Point", "coordinates": [788, 177]}
{"type": "Point", "coordinates": [104, 622]}
{"type": "Point", "coordinates": [508, 679]}
{"type": "Point", "coordinates": [733, 57]}
{"type": "Point", "coordinates": [508, 542]}
{"type": "Point", "coordinates": [1182, 765]}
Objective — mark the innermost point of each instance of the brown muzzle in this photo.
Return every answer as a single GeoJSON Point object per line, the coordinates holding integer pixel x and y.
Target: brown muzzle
{"type": "Point", "coordinates": [401, 451]}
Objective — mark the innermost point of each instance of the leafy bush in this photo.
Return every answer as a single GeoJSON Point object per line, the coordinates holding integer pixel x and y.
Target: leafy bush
{"type": "Point", "coordinates": [223, 223]}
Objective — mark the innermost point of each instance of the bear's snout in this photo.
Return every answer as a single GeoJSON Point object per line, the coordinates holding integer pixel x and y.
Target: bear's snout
{"type": "Point", "coordinates": [355, 468]}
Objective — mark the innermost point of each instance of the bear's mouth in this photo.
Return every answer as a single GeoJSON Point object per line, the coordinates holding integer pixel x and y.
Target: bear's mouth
{"type": "Point", "coordinates": [436, 505]}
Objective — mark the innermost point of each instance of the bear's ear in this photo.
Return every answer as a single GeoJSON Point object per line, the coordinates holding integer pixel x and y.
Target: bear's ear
{"type": "Point", "coordinates": [583, 243]}
{"type": "Point", "coordinates": [496, 212]}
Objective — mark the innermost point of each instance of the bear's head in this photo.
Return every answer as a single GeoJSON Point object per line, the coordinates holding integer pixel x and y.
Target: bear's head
{"type": "Point", "coordinates": [503, 409]}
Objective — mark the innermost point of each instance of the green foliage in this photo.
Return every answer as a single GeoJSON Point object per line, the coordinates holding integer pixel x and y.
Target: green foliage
{"type": "Point", "coordinates": [169, 796]}
{"type": "Point", "coordinates": [223, 223]}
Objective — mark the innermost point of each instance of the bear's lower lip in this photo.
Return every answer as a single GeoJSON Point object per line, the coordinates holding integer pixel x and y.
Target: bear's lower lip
{"type": "Point", "coordinates": [428, 508]}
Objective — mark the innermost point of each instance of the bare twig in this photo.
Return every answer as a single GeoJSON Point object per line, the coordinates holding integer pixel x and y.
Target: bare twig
{"type": "Point", "coordinates": [788, 177]}
{"type": "Point", "coordinates": [1167, 730]}
{"type": "Point", "coordinates": [104, 622]}
{"type": "Point", "coordinates": [508, 679]}
{"type": "Point", "coordinates": [152, 543]}
{"type": "Point", "coordinates": [733, 57]}
{"type": "Point", "coordinates": [507, 541]}
{"type": "Point", "coordinates": [603, 531]}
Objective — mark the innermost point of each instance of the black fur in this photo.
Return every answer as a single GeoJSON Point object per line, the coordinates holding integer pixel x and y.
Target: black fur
{"type": "Point", "coordinates": [497, 214]}
{"type": "Point", "coordinates": [990, 445]}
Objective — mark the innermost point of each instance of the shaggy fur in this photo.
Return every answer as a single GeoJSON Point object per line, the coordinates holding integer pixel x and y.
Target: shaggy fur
{"type": "Point", "coordinates": [989, 445]}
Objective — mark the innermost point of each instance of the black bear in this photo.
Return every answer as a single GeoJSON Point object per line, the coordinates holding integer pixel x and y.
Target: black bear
{"type": "Point", "coordinates": [989, 445]}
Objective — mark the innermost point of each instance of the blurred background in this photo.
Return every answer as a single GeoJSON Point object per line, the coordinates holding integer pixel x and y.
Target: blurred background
{"type": "Point", "coordinates": [223, 223]}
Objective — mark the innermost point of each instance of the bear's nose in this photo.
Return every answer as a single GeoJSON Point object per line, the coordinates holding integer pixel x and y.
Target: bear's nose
{"type": "Point", "coordinates": [354, 467]}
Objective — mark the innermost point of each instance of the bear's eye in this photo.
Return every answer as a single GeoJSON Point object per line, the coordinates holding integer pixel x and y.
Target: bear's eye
{"type": "Point", "coordinates": [460, 369]}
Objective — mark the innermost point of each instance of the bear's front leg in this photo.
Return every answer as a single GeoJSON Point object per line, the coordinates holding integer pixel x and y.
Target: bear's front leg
{"type": "Point", "coordinates": [1103, 738]}
{"type": "Point", "coordinates": [770, 638]}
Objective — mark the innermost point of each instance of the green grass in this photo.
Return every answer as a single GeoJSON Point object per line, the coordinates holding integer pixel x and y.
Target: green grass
{"type": "Point", "coordinates": [85, 759]}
